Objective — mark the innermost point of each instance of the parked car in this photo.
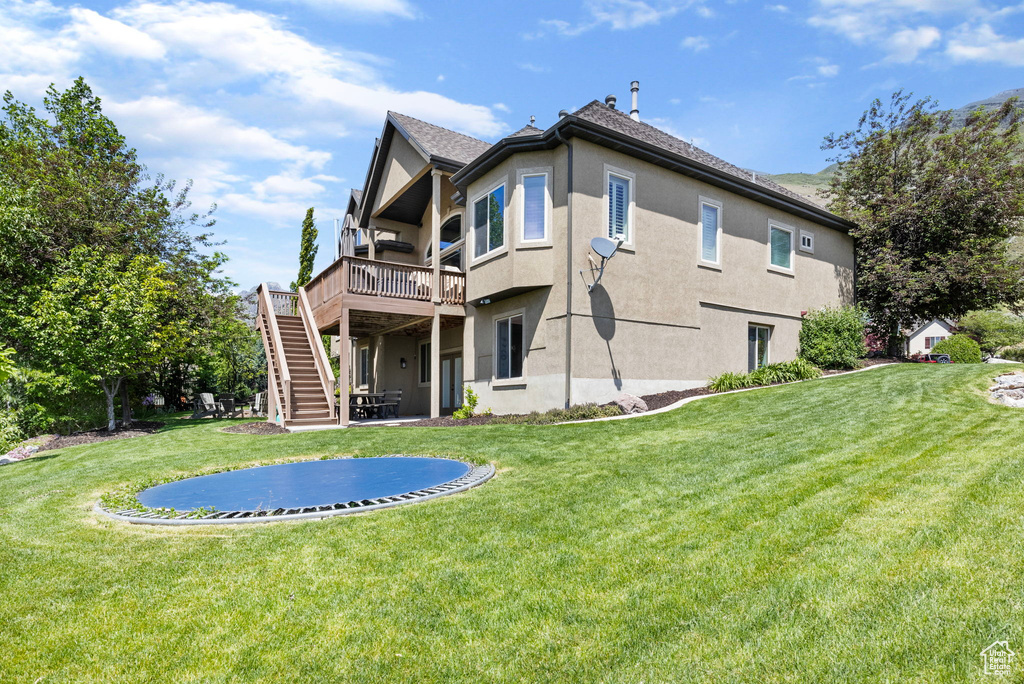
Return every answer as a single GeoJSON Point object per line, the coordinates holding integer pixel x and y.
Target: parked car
{"type": "Point", "coordinates": [934, 358]}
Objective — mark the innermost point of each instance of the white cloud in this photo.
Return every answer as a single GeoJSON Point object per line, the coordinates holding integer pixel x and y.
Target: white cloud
{"type": "Point", "coordinates": [253, 44]}
{"type": "Point", "coordinates": [620, 15]}
{"type": "Point", "coordinates": [695, 43]}
{"type": "Point", "coordinates": [91, 29]}
{"type": "Point", "coordinates": [398, 8]}
{"type": "Point", "coordinates": [828, 70]}
{"type": "Point", "coordinates": [169, 124]}
{"type": "Point", "coordinates": [501, 107]}
{"type": "Point", "coordinates": [983, 44]}
{"type": "Point", "coordinates": [902, 29]}
{"type": "Point", "coordinates": [782, 9]}
{"type": "Point", "coordinates": [526, 66]}
{"type": "Point", "coordinates": [904, 46]}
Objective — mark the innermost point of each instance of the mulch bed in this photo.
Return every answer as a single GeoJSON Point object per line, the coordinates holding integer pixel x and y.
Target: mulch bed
{"type": "Point", "coordinates": [138, 429]}
{"type": "Point", "coordinates": [657, 401]}
{"type": "Point", "coordinates": [448, 421]}
{"type": "Point", "coordinates": [261, 428]}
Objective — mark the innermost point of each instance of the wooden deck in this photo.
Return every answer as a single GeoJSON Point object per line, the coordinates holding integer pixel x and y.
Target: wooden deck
{"type": "Point", "coordinates": [386, 293]}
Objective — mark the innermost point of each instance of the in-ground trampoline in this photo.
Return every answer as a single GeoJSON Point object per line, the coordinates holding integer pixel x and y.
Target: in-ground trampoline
{"type": "Point", "coordinates": [306, 489]}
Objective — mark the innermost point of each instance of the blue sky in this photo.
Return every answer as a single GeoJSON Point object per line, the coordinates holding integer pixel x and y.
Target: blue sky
{"type": "Point", "coordinates": [272, 106]}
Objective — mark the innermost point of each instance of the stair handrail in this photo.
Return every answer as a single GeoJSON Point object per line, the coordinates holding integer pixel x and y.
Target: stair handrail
{"type": "Point", "coordinates": [282, 362]}
{"type": "Point", "coordinates": [323, 363]}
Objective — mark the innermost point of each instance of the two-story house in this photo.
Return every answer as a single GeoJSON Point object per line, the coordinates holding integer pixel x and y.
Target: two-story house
{"type": "Point", "coordinates": [462, 266]}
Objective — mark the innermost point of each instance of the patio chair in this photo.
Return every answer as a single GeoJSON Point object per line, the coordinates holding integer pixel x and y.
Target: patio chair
{"type": "Point", "coordinates": [159, 405]}
{"type": "Point", "coordinates": [206, 406]}
{"type": "Point", "coordinates": [259, 404]}
{"type": "Point", "coordinates": [392, 398]}
{"type": "Point", "coordinates": [227, 406]}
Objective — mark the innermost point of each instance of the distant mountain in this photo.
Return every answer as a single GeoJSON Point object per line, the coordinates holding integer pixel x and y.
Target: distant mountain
{"type": "Point", "coordinates": [807, 184]}
{"type": "Point", "coordinates": [989, 103]}
{"type": "Point", "coordinates": [248, 298]}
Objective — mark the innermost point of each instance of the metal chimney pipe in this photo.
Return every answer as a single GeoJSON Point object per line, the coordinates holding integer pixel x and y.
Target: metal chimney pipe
{"type": "Point", "coordinates": [634, 113]}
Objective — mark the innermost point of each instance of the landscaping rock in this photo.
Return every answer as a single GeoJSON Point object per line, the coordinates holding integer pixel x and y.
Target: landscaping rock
{"type": "Point", "coordinates": [630, 404]}
{"type": "Point", "coordinates": [1009, 389]}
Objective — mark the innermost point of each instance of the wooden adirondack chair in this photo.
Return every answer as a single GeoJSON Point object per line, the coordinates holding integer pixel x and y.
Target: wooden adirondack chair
{"type": "Point", "coordinates": [206, 406]}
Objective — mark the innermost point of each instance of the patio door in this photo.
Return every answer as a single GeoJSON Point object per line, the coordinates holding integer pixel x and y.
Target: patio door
{"type": "Point", "coordinates": [451, 382]}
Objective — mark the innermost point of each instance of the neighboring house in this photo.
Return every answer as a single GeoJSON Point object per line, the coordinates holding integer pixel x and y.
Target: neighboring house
{"type": "Point", "coordinates": [926, 335]}
{"type": "Point", "coordinates": [473, 253]}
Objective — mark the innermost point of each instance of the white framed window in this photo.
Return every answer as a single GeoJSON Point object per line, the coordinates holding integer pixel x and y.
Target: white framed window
{"type": "Point", "coordinates": [535, 205]}
{"type": "Point", "coordinates": [364, 366]}
{"type": "Point", "coordinates": [780, 247]}
{"type": "Point", "coordinates": [489, 222]}
{"type": "Point", "coordinates": [620, 191]}
{"type": "Point", "coordinates": [424, 363]}
{"type": "Point", "coordinates": [930, 342]}
{"type": "Point", "coordinates": [758, 340]}
{"type": "Point", "coordinates": [807, 241]}
{"type": "Point", "coordinates": [508, 347]}
{"type": "Point", "coordinates": [710, 230]}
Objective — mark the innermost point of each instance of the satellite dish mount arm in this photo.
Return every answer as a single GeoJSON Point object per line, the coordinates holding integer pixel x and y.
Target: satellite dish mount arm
{"type": "Point", "coordinates": [604, 248]}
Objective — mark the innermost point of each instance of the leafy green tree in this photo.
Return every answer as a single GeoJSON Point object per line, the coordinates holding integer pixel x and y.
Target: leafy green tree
{"type": "Point", "coordinates": [6, 364]}
{"type": "Point", "coordinates": [935, 208]}
{"type": "Point", "coordinates": [307, 251]}
{"type": "Point", "coordinates": [107, 316]}
{"type": "Point", "coordinates": [993, 329]}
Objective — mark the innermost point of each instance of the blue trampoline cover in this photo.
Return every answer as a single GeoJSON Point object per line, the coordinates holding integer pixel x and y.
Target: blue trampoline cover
{"type": "Point", "coordinates": [309, 483]}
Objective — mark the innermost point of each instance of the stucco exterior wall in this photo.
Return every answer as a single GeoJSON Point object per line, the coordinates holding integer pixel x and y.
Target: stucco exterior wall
{"type": "Point", "coordinates": [660, 319]}
{"type": "Point", "coordinates": [402, 164]}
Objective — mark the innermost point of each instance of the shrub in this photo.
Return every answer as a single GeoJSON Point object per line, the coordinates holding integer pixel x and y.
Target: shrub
{"type": "Point", "coordinates": [961, 349]}
{"type": "Point", "coordinates": [1014, 354]}
{"type": "Point", "coordinates": [729, 382]}
{"type": "Point", "coordinates": [468, 408]}
{"type": "Point", "coordinates": [786, 371]}
{"type": "Point", "coordinates": [833, 337]}
{"type": "Point", "coordinates": [992, 329]}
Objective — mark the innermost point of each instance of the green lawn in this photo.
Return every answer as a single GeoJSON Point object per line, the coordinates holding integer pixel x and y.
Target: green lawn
{"type": "Point", "coordinates": [868, 528]}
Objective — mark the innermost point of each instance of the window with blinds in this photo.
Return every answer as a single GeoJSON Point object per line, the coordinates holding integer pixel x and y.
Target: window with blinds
{"type": "Point", "coordinates": [710, 222]}
{"type": "Point", "coordinates": [618, 207]}
{"type": "Point", "coordinates": [535, 207]}
{"type": "Point", "coordinates": [781, 247]}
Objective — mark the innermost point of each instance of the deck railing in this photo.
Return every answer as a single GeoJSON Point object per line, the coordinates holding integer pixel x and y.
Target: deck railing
{"type": "Point", "coordinates": [356, 275]}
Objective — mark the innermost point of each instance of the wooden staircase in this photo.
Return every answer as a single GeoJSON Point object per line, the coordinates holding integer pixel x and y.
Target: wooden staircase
{"type": "Point", "coordinates": [300, 379]}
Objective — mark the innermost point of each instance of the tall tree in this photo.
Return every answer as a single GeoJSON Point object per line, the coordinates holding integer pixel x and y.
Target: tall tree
{"type": "Point", "coordinates": [108, 317]}
{"type": "Point", "coordinates": [307, 251]}
{"type": "Point", "coordinates": [935, 208]}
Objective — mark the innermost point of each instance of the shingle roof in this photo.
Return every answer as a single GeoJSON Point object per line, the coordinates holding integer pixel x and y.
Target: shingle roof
{"type": "Point", "coordinates": [616, 120]}
{"type": "Point", "coordinates": [441, 142]}
{"type": "Point", "coordinates": [357, 195]}
{"type": "Point", "coordinates": [526, 130]}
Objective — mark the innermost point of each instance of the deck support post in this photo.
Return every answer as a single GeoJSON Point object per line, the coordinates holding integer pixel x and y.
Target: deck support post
{"type": "Point", "coordinates": [435, 365]}
{"type": "Point", "coordinates": [344, 360]}
{"type": "Point", "coordinates": [435, 235]}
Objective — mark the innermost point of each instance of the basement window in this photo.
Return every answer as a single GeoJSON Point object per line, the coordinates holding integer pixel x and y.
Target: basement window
{"type": "Point", "coordinates": [508, 343]}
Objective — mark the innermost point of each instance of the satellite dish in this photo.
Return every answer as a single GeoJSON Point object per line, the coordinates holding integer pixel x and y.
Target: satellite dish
{"type": "Point", "coordinates": [604, 247]}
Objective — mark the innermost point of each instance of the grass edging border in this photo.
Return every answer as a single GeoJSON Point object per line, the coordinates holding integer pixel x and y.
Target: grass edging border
{"type": "Point", "coordinates": [142, 515]}
{"type": "Point", "coordinates": [687, 400]}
